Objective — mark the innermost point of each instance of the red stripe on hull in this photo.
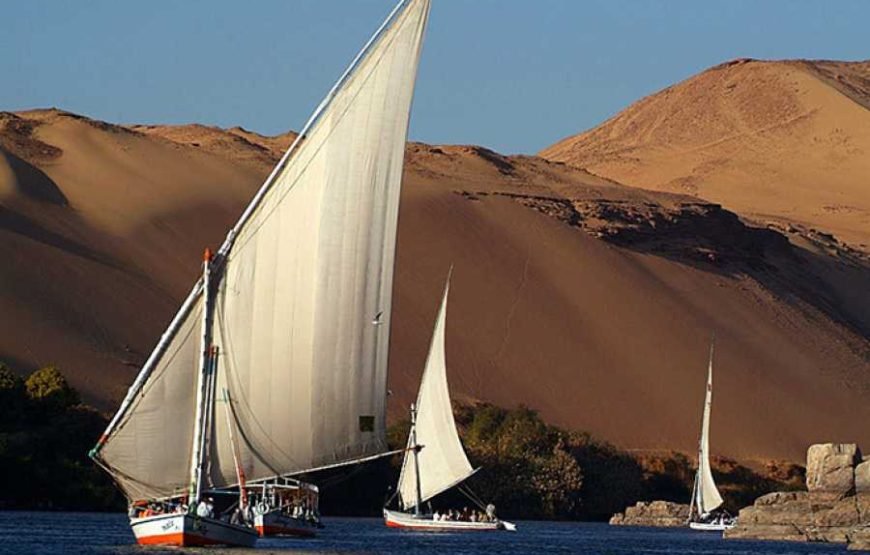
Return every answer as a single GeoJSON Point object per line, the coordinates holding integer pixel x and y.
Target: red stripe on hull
{"type": "Point", "coordinates": [178, 539]}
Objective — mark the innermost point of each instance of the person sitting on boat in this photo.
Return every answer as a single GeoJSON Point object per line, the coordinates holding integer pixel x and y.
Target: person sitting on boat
{"type": "Point", "coordinates": [135, 509]}
{"type": "Point", "coordinates": [205, 509]}
{"type": "Point", "coordinates": [490, 513]}
{"type": "Point", "coordinates": [436, 516]}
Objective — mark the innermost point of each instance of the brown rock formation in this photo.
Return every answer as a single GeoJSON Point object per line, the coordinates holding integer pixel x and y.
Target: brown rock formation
{"type": "Point", "coordinates": [831, 470]}
{"type": "Point", "coordinates": [862, 477]}
{"type": "Point", "coordinates": [830, 511]}
{"type": "Point", "coordinates": [653, 513]}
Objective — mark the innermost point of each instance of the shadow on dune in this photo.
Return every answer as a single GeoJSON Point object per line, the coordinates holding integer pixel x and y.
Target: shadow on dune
{"type": "Point", "coordinates": [17, 223]}
{"type": "Point", "coordinates": [709, 238]}
{"type": "Point", "coordinates": [33, 183]}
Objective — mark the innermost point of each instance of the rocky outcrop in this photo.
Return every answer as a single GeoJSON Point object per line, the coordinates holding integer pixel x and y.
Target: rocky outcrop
{"type": "Point", "coordinates": [835, 507]}
{"type": "Point", "coordinates": [653, 513]}
{"type": "Point", "coordinates": [862, 476]}
{"type": "Point", "coordinates": [831, 470]}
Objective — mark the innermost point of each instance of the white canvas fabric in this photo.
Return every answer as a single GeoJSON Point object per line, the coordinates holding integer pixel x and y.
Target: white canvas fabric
{"type": "Point", "coordinates": [303, 307]}
{"type": "Point", "coordinates": [442, 461]}
{"type": "Point", "coordinates": [707, 497]}
{"type": "Point", "coordinates": [149, 452]}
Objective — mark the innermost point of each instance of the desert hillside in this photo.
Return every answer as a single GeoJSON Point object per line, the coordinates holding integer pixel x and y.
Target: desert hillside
{"type": "Point", "coordinates": [784, 142]}
{"type": "Point", "coordinates": [588, 300]}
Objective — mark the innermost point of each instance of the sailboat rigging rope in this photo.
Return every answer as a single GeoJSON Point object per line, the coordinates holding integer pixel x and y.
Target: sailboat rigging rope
{"type": "Point", "coordinates": [465, 490]}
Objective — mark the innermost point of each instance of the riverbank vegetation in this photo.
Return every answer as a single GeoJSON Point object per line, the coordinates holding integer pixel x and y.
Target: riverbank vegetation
{"type": "Point", "coordinates": [534, 470]}
{"type": "Point", "coordinates": [529, 469]}
{"type": "Point", "coordinates": [45, 434]}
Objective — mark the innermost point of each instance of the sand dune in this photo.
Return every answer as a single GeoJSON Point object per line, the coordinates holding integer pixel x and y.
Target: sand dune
{"type": "Point", "coordinates": [779, 141]}
{"type": "Point", "coordinates": [588, 300]}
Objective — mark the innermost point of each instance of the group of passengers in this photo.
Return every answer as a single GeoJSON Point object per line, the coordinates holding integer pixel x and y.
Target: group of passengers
{"type": "Point", "coordinates": [466, 515]}
{"type": "Point", "coordinates": [297, 508]}
{"type": "Point", "coordinates": [143, 509]}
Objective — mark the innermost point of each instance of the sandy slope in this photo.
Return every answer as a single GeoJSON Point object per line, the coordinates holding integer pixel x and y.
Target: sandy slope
{"type": "Point", "coordinates": [590, 301]}
{"type": "Point", "coordinates": [774, 140]}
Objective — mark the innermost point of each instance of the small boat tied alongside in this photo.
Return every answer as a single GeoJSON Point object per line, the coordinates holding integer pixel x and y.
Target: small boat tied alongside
{"type": "Point", "coordinates": [434, 459]}
{"type": "Point", "coordinates": [288, 508]}
{"type": "Point", "coordinates": [276, 363]}
{"type": "Point", "coordinates": [705, 509]}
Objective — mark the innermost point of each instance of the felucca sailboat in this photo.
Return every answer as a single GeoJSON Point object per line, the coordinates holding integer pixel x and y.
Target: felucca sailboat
{"type": "Point", "coordinates": [434, 459]}
{"type": "Point", "coordinates": [705, 512]}
{"type": "Point", "coordinates": [276, 363]}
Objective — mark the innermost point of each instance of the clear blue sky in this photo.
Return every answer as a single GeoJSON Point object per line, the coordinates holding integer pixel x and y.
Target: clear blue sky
{"type": "Point", "coordinates": [513, 75]}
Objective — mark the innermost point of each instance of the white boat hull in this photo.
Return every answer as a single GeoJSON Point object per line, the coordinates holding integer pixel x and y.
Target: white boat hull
{"type": "Point", "coordinates": [183, 530]}
{"type": "Point", "coordinates": [710, 526]}
{"type": "Point", "coordinates": [396, 519]}
{"type": "Point", "coordinates": [277, 523]}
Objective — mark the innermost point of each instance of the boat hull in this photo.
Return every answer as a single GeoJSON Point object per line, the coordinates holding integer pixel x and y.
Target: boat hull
{"type": "Point", "coordinates": [396, 519]}
{"type": "Point", "coordinates": [276, 523]}
{"type": "Point", "coordinates": [183, 530]}
{"type": "Point", "coordinates": [710, 526]}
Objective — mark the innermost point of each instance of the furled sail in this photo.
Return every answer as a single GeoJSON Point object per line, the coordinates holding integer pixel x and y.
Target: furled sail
{"type": "Point", "coordinates": [442, 462]}
{"type": "Point", "coordinates": [303, 356]}
{"type": "Point", "coordinates": [303, 299]}
{"type": "Point", "coordinates": [707, 497]}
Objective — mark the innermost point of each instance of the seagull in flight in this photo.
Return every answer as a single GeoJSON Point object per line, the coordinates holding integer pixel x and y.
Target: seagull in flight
{"type": "Point", "coordinates": [377, 320]}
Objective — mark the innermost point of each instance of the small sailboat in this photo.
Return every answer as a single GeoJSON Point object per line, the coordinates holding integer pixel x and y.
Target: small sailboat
{"type": "Point", "coordinates": [434, 459]}
{"type": "Point", "coordinates": [279, 329]}
{"type": "Point", "coordinates": [705, 512]}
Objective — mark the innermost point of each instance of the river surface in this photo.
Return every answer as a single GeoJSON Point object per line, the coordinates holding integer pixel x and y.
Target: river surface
{"type": "Point", "coordinates": [95, 533]}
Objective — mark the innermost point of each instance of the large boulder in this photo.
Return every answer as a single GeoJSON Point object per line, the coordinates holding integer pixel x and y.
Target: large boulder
{"type": "Point", "coordinates": [859, 539]}
{"type": "Point", "coordinates": [843, 513]}
{"type": "Point", "coordinates": [836, 507]}
{"type": "Point", "coordinates": [831, 470]}
{"type": "Point", "coordinates": [777, 532]}
{"type": "Point", "coordinates": [653, 513]}
{"type": "Point", "coordinates": [778, 508]}
{"type": "Point", "coordinates": [862, 477]}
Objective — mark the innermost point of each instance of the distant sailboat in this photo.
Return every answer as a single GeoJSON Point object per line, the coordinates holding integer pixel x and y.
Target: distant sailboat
{"type": "Point", "coordinates": [435, 460]}
{"type": "Point", "coordinates": [704, 510]}
{"type": "Point", "coordinates": [279, 328]}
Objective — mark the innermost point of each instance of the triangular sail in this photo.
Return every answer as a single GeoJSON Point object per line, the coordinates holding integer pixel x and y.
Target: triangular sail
{"type": "Point", "coordinates": [442, 460]}
{"type": "Point", "coordinates": [707, 497]}
{"type": "Point", "coordinates": [300, 281]}
{"type": "Point", "coordinates": [303, 361]}
{"type": "Point", "coordinates": [149, 451]}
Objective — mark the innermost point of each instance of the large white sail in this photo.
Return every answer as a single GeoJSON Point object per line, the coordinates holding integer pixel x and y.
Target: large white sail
{"type": "Point", "coordinates": [707, 497]}
{"type": "Point", "coordinates": [442, 461]}
{"type": "Point", "coordinates": [303, 300]}
{"type": "Point", "coordinates": [149, 451]}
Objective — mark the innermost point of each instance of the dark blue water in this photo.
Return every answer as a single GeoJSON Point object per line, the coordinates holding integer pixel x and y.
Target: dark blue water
{"type": "Point", "coordinates": [91, 533]}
